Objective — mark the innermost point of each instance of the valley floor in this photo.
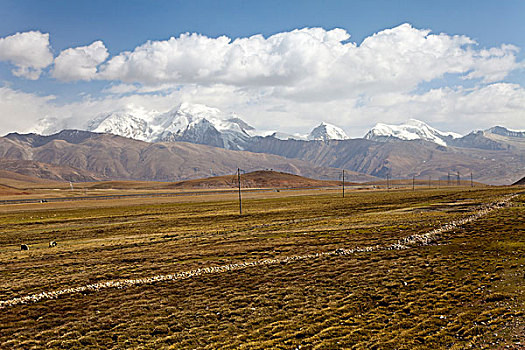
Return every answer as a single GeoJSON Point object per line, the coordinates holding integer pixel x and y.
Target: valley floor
{"type": "Point", "coordinates": [464, 289]}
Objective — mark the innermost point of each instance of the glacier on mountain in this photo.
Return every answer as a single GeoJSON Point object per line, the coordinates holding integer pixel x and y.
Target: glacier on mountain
{"type": "Point", "coordinates": [412, 130]}
{"type": "Point", "coordinates": [325, 132]}
{"type": "Point", "coordinates": [189, 122]}
{"type": "Point", "coordinates": [196, 123]}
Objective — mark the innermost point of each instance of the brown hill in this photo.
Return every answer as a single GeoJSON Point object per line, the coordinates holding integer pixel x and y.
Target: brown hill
{"type": "Point", "coordinates": [403, 159]}
{"type": "Point", "coordinates": [13, 179]}
{"type": "Point", "coordinates": [10, 191]}
{"type": "Point", "coordinates": [28, 171]}
{"type": "Point", "coordinates": [110, 157]}
{"type": "Point", "coordinates": [256, 179]}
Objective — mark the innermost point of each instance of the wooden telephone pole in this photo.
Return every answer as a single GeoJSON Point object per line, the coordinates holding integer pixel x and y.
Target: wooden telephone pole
{"type": "Point", "coordinates": [413, 182]}
{"type": "Point", "coordinates": [388, 181]}
{"type": "Point", "coordinates": [239, 183]}
{"type": "Point", "coordinates": [471, 180]}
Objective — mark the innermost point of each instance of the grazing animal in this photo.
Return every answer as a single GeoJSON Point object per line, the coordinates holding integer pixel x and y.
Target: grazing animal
{"type": "Point", "coordinates": [24, 247]}
{"type": "Point", "coordinates": [52, 244]}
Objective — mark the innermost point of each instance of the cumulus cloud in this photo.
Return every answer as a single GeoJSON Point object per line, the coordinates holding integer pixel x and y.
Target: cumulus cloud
{"type": "Point", "coordinates": [80, 63]}
{"type": "Point", "coordinates": [291, 81]}
{"type": "Point", "coordinates": [20, 111]}
{"type": "Point", "coordinates": [312, 62]}
{"type": "Point", "coordinates": [494, 64]}
{"type": "Point", "coordinates": [29, 52]}
{"type": "Point", "coordinates": [456, 109]}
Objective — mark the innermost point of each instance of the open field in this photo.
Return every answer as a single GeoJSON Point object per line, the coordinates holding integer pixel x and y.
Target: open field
{"type": "Point", "coordinates": [465, 289]}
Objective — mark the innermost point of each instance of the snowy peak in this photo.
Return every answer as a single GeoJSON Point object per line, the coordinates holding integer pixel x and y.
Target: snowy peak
{"type": "Point", "coordinates": [412, 130]}
{"type": "Point", "coordinates": [202, 124]}
{"type": "Point", "coordinates": [189, 122]}
{"type": "Point", "coordinates": [325, 132]}
{"type": "Point", "coordinates": [123, 124]}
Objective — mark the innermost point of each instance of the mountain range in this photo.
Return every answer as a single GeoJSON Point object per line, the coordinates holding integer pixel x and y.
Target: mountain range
{"type": "Point", "coordinates": [197, 123]}
{"type": "Point", "coordinates": [193, 123]}
{"type": "Point", "coordinates": [73, 155]}
{"type": "Point", "coordinates": [412, 130]}
{"type": "Point", "coordinates": [196, 140]}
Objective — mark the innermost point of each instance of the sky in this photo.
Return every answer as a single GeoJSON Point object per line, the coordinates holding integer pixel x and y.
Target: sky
{"type": "Point", "coordinates": [279, 65]}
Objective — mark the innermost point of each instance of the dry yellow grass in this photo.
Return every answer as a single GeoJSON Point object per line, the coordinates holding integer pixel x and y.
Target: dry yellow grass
{"type": "Point", "coordinates": [467, 290]}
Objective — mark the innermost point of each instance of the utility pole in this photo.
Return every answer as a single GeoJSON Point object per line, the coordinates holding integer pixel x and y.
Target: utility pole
{"type": "Point", "coordinates": [413, 182]}
{"type": "Point", "coordinates": [239, 181]}
{"type": "Point", "coordinates": [459, 180]}
{"type": "Point", "coordinates": [471, 180]}
{"type": "Point", "coordinates": [343, 183]}
{"type": "Point", "coordinates": [388, 181]}
{"type": "Point", "coordinates": [448, 178]}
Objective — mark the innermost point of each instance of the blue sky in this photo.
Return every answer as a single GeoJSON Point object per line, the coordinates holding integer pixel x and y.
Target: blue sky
{"type": "Point", "coordinates": [125, 25]}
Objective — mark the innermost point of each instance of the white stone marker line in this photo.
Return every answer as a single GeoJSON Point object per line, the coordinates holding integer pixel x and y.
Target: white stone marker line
{"type": "Point", "coordinates": [404, 243]}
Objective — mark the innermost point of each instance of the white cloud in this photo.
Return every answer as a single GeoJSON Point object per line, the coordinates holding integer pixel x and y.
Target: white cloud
{"type": "Point", "coordinates": [29, 52]}
{"type": "Point", "coordinates": [312, 62]}
{"type": "Point", "coordinates": [20, 111]}
{"type": "Point", "coordinates": [495, 63]}
{"type": "Point", "coordinates": [291, 81]}
{"type": "Point", "coordinates": [454, 109]}
{"type": "Point", "coordinates": [80, 63]}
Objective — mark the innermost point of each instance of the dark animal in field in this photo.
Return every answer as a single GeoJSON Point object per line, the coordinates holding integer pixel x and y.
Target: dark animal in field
{"type": "Point", "coordinates": [52, 244]}
{"type": "Point", "coordinates": [24, 247]}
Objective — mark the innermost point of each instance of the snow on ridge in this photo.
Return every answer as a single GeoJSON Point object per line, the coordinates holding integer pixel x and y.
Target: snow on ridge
{"type": "Point", "coordinates": [187, 122]}
{"type": "Point", "coordinates": [413, 129]}
{"type": "Point", "coordinates": [325, 131]}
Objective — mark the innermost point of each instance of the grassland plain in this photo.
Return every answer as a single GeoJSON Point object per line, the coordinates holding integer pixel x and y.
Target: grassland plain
{"type": "Point", "coordinates": [466, 291]}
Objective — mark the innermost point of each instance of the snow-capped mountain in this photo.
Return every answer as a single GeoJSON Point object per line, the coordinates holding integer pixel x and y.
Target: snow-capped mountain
{"type": "Point", "coordinates": [202, 124]}
{"type": "Point", "coordinates": [189, 122]}
{"type": "Point", "coordinates": [411, 130]}
{"type": "Point", "coordinates": [196, 123]}
{"type": "Point", "coordinates": [326, 132]}
{"type": "Point", "coordinates": [122, 123]}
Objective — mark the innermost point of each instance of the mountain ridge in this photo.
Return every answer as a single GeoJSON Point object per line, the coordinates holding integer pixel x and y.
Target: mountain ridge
{"type": "Point", "coordinates": [110, 156]}
{"type": "Point", "coordinates": [107, 156]}
{"type": "Point", "coordinates": [210, 126]}
{"type": "Point", "coordinates": [413, 129]}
